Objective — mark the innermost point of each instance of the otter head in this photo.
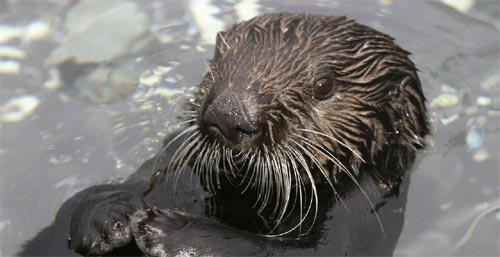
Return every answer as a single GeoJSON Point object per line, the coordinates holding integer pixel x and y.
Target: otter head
{"type": "Point", "coordinates": [296, 99]}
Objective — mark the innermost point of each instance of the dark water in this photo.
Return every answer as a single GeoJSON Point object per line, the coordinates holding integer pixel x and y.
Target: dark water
{"type": "Point", "coordinates": [100, 110]}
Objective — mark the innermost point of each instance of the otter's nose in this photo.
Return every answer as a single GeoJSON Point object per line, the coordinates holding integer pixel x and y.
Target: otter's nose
{"type": "Point", "coordinates": [230, 116]}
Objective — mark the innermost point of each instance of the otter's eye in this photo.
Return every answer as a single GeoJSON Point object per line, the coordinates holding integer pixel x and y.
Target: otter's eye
{"type": "Point", "coordinates": [323, 88]}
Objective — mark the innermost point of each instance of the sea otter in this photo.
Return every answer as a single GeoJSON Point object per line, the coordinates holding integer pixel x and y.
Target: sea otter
{"type": "Point", "coordinates": [301, 136]}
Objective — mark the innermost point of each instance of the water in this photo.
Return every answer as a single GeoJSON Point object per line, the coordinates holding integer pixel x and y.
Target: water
{"type": "Point", "coordinates": [98, 112]}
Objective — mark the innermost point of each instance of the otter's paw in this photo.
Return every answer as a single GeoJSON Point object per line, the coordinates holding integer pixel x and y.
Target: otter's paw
{"type": "Point", "coordinates": [100, 223]}
{"type": "Point", "coordinates": [153, 230]}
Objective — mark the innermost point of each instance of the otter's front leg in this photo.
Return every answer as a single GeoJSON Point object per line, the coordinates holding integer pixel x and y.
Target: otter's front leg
{"type": "Point", "coordinates": [100, 223]}
{"type": "Point", "coordinates": [174, 233]}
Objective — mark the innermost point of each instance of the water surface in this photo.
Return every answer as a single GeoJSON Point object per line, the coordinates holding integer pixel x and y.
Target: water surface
{"type": "Point", "coordinates": [74, 114]}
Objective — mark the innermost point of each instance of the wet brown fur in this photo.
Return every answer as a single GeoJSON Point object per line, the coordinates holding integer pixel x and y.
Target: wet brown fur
{"type": "Point", "coordinates": [375, 118]}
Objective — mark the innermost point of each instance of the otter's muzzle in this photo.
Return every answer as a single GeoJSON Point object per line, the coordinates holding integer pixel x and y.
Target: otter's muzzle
{"type": "Point", "coordinates": [228, 114]}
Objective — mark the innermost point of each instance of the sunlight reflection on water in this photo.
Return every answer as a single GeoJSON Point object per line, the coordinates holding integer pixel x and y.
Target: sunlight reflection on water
{"type": "Point", "coordinates": [96, 115]}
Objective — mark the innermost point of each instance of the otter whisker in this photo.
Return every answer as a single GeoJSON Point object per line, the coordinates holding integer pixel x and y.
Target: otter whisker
{"type": "Point", "coordinates": [336, 140]}
{"type": "Point", "coordinates": [251, 161]}
{"type": "Point", "coordinates": [242, 161]}
{"type": "Point", "coordinates": [353, 178]}
{"type": "Point", "coordinates": [320, 167]}
{"type": "Point", "coordinates": [239, 155]}
{"type": "Point", "coordinates": [308, 166]}
{"type": "Point", "coordinates": [181, 134]}
{"type": "Point", "coordinates": [165, 146]}
{"type": "Point", "coordinates": [180, 160]}
{"type": "Point", "coordinates": [188, 113]}
{"type": "Point", "coordinates": [314, 159]}
{"type": "Point", "coordinates": [369, 201]}
{"type": "Point", "coordinates": [281, 173]}
{"type": "Point", "coordinates": [259, 178]}
{"type": "Point", "coordinates": [285, 179]}
{"type": "Point", "coordinates": [286, 184]}
{"type": "Point", "coordinates": [262, 183]}
{"type": "Point", "coordinates": [193, 103]}
{"type": "Point", "coordinates": [284, 164]}
{"type": "Point", "coordinates": [332, 158]}
{"type": "Point", "coordinates": [186, 122]}
{"type": "Point", "coordinates": [212, 165]}
{"type": "Point", "coordinates": [209, 70]}
{"type": "Point", "coordinates": [196, 166]}
{"type": "Point", "coordinates": [157, 157]}
{"type": "Point", "coordinates": [300, 190]}
{"type": "Point", "coordinates": [266, 181]}
{"type": "Point", "coordinates": [213, 175]}
{"type": "Point", "coordinates": [187, 155]}
{"type": "Point", "coordinates": [270, 178]}
{"type": "Point", "coordinates": [196, 149]}
{"type": "Point", "coordinates": [322, 149]}
{"type": "Point", "coordinates": [226, 161]}
{"type": "Point", "coordinates": [299, 182]}
{"type": "Point", "coordinates": [209, 158]}
{"type": "Point", "coordinates": [335, 160]}
{"type": "Point", "coordinates": [223, 40]}
{"type": "Point", "coordinates": [208, 163]}
{"type": "Point", "coordinates": [183, 162]}
{"type": "Point", "coordinates": [185, 132]}
{"type": "Point", "coordinates": [180, 153]}
{"type": "Point", "coordinates": [220, 49]}
{"type": "Point", "coordinates": [232, 167]}
{"type": "Point", "coordinates": [279, 183]}
{"type": "Point", "coordinates": [184, 117]}
{"type": "Point", "coordinates": [314, 196]}
{"type": "Point", "coordinates": [314, 192]}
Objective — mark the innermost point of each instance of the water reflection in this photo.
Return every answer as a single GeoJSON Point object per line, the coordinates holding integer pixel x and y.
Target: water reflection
{"type": "Point", "coordinates": [100, 111]}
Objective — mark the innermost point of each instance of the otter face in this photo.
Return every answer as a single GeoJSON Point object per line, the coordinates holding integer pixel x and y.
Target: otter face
{"type": "Point", "coordinates": [291, 98]}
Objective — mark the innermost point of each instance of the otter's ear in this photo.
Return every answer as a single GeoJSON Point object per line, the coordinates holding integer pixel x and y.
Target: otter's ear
{"type": "Point", "coordinates": [220, 45]}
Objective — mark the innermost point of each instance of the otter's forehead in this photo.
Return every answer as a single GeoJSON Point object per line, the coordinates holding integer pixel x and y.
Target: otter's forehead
{"type": "Point", "coordinates": [286, 49]}
{"type": "Point", "coordinates": [273, 47]}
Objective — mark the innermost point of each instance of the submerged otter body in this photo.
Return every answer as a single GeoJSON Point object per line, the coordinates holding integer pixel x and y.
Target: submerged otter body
{"type": "Point", "coordinates": [302, 134]}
